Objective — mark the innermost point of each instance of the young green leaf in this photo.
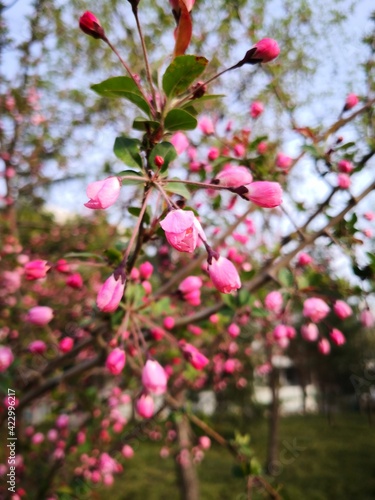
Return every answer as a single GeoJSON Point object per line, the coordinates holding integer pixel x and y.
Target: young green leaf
{"type": "Point", "coordinates": [181, 73]}
{"type": "Point", "coordinates": [178, 188]}
{"type": "Point", "coordinates": [178, 119]}
{"type": "Point", "coordinates": [127, 150]}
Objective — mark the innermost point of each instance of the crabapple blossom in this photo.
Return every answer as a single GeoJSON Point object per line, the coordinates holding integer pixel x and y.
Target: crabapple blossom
{"type": "Point", "coordinates": [66, 344]}
{"type": "Point", "coordinates": [274, 302]}
{"type": "Point", "coordinates": [75, 281]}
{"type": "Point", "coordinates": [262, 147]}
{"type": "Point", "coordinates": [351, 101]}
{"type": "Point", "coordinates": [37, 347]}
{"type": "Point", "coordinates": [342, 309]}
{"type": "Point", "coordinates": [324, 347]}
{"type": "Point", "coordinates": [36, 269]}
{"type": "Point", "coordinates": [180, 142]}
{"type": "Point", "coordinates": [205, 442]}
{"type": "Point", "coordinates": [224, 275]}
{"type": "Point", "coordinates": [90, 25]}
{"type": "Point", "coordinates": [39, 315]}
{"type": "Point", "coordinates": [343, 181]}
{"type": "Point", "coordinates": [367, 319]}
{"type": "Point", "coordinates": [315, 309]}
{"type": "Point", "coordinates": [304, 259]}
{"type": "Point", "coordinates": [234, 330]}
{"type": "Point", "coordinates": [206, 125]}
{"type": "Point", "coordinates": [337, 337]}
{"type": "Point", "coordinates": [283, 161]}
{"type": "Point", "coordinates": [110, 294]}
{"type": "Point", "coordinates": [193, 355]}
{"type": "Point", "coordinates": [115, 361]}
{"type": "Point", "coordinates": [145, 406]}
{"type": "Point", "coordinates": [127, 451]}
{"type": "Point", "coordinates": [280, 332]}
{"type": "Point", "coordinates": [169, 322]}
{"type": "Point", "coordinates": [310, 332]}
{"type": "Point", "coordinates": [233, 177]}
{"type": "Point", "coordinates": [256, 109]}
{"type": "Point", "coordinates": [182, 230]}
{"type": "Point", "coordinates": [265, 194]}
{"type": "Point", "coordinates": [154, 378]}
{"type": "Point", "coordinates": [267, 49]}
{"type": "Point", "coordinates": [103, 193]}
{"type": "Point", "coordinates": [345, 166]}
{"type": "Point", "coordinates": [6, 358]}
{"type": "Point", "coordinates": [146, 269]}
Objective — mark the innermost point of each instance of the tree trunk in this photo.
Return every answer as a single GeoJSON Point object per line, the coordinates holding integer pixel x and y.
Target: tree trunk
{"type": "Point", "coordinates": [186, 471]}
{"type": "Point", "coordinates": [273, 425]}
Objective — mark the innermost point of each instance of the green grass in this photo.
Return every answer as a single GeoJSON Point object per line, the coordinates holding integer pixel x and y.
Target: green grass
{"type": "Point", "coordinates": [337, 463]}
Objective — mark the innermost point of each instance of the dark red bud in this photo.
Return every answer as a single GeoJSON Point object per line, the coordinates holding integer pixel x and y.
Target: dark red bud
{"type": "Point", "coordinates": [159, 161]}
{"type": "Point", "coordinates": [199, 90]}
{"type": "Point", "coordinates": [90, 25]}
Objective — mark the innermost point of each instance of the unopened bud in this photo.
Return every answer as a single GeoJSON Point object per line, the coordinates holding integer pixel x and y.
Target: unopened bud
{"type": "Point", "coordinates": [159, 161]}
{"type": "Point", "coordinates": [90, 25]}
{"type": "Point", "coordinates": [199, 90]}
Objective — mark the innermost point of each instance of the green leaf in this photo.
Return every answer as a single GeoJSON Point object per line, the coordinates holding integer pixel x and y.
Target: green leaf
{"type": "Point", "coordinates": [201, 100]}
{"type": "Point", "coordinates": [179, 119]}
{"type": "Point", "coordinates": [181, 73]}
{"type": "Point", "coordinates": [122, 86]}
{"type": "Point", "coordinates": [167, 151]}
{"type": "Point", "coordinates": [127, 150]}
{"type": "Point", "coordinates": [286, 277]}
{"type": "Point", "coordinates": [144, 125]}
{"type": "Point", "coordinates": [178, 188]}
{"type": "Point", "coordinates": [136, 211]}
{"type": "Point", "coordinates": [129, 182]}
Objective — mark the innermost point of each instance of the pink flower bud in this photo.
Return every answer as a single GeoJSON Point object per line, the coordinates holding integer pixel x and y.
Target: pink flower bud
{"type": "Point", "coordinates": [234, 330]}
{"type": "Point", "coordinates": [146, 269]}
{"type": "Point", "coordinates": [342, 309]}
{"type": "Point", "coordinates": [280, 332]}
{"type": "Point", "coordinates": [264, 194]}
{"type": "Point", "coordinates": [180, 142]}
{"type": "Point", "coordinates": [62, 421]}
{"type": "Point", "coordinates": [206, 125]}
{"type": "Point", "coordinates": [283, 161]}
{"type": "Point", "coordinates": [233, 177]}
{"type": "Point", "coordinates": [190, 284]}
{"type": "Point", "coordinates": [274, 302]}
{"type": "Point", "coordinates": [6, 358]}
{"type": "Point", "coordinates": [62, 266]}
{"type": "Point", "coordinates": [36, 269]}
{"type": "Point", "coordinates": [310, 332]}
{"type": "Point", "coordinates": [345, 166]}
{"type": "Point", "coordinates": [115, 361]}
{"type": "Point", "coordinates": [110, 294]}
{"type": "Point", "coordinates": [315, 309]}
{"type": "Point", "coordinates": [169, 322]}
{"type": "Point", "coordinates": [75, 281]}
{"type": "Point", "coordinates": [351, 101]}
{"type": "Point", "coordinates": [213, 154]}
{"type": "Point", "coordinates": [324, 347]}
{"type": "Point", "coordinates": [367, 319]}
{"type": "Point", "coordinates": [39, 315]}
{"type": "Point", "coordinates": [224, 275]}
{"type": "Point", "coordinates": [103, 193]}
{"type": "Point", "coordinates": [256, 109]}
{"type": "Point", "coordinates": [154, 378]}
{"type": "Point", "coordinates": [267, 49]}
{"type": "Point", "coordinates": [37, 347]}
{"type": "Point", "coordinates": [230, 366]}
{"type": "Point", "coordinates": [145, 406]}
{"type": "Point", "coordinates": [90, 25]}
{"type": "Point", "coordinates": [193, 298]}
{"type": "Point", "coordinates": [195, 330]}
{"type": "Point", "coordinates": [239, 150]}
{"type": "Point", "coordinates": [304, 259]}
{"type": "Point", "coordinates": [369, 216]}
{"type": "Point", "coordinates": [343, 181]}
{"type": "Point", "coordinates": [193, 355]}
{"type": "Point", "coordinates": [159, 161]}
{"type": "Point", "coordinates": [337, 337]}
{"type": "Point", "coordinates": [182, 230]}
{"type": "Point", "coordinates": [205, 442]}
{"type": "Point", "coordinates": [66, 344]}
{"type": "Point", "coordinates": [127, 451]}
{"type": "Point", "coordinates": [37, 438]}
{"type": "Point", "coordinates": [291, 332]}
{"type": "Point", "coordinates": [262, 147]}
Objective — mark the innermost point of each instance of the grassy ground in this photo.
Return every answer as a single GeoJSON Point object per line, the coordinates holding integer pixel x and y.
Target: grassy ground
{"type": "Point", "coordinates": [317, 461]}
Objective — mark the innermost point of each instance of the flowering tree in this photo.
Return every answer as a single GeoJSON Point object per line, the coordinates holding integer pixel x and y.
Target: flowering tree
{"type": "Point", "coordinates": [224, 263]}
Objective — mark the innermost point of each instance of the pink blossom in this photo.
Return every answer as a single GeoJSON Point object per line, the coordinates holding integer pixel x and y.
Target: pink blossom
{"type": "Point", "coordinates": [193, 355]}
{"type": "Point", "coordinates": [145, 406]}
{"type": "Point", "coordinates": [343, 181]}
{"type": "Point", "coordinates": [75, 281]}
{"type": "Point", "coordinates": [367, 319]}
{"type": "Point", "coordinates": [147, 287]}
{"type": "Point", "coordinates": [37, 347]}
{"type": "Point", "coordinates": [154, 378]}
{"type": "Point", "coordinates": [195, 330]}
{"type": "Point", "coordinates": [110, 294]}
{"type": "Point", "coordinates": [239, 150]}
{"type": "Point", "coordinates": [224, 275]}
{"type": "Point", "coordinates": [180, 142]}
{"type": "Point", "coordinates": [62, 266]}
{"type": "Point", "coordinates": [36, 269]}
{"type": "Point", "coordinates": [127, 451]}
{"type": "Point", "coordinates": [304, 259]}
{"type": "Point", "coordinates": [283, 161]}
{"type": "Point", "coordinates": [52, 435]}
{"type": "Point", "coordinates": [280, 332]}
{"type": "Point", "coordinates": [190, 284]}
{"type": "Point", "coordinates": [213, 154]}
{"type": "Point", "coordinates": [90, 25]}
{"type": "Point", "coordinates": [62, 421]}
{"type": "Point", "coordinates": [103, 193]}
{"type": "Point", "coordinates": [233, 177]}
{"type": "Point", "coordinates": [315, 309]}
{"type": "Point", "coordinates": [182, 230]}
{"type": "Point", "coordinates": [324, 347]}
{"type": "Point", "coordinates": [369, 216]}
{"type": "Point", "coordinates": [263, 369]}
{"type": "Point", "coordinates": [205, 442]}
{"type": "Point", "coordinates": [310, 332]}
{"type": "Point", "coordinates": [264, 194]}
{"type": "Point", "coordinates": [342, 309]}
{"type": "Point", "coordinates": [256, 109]}
{"type": "Point", "coordinates": [262, 147]}
{"type": "Point", "coordinates": [351, 101]}
{"type": "Point", "coordinates": [206, 125]}
{"type": "Point", "coordinates": [6, 358]}
{"type": "Point", "coordinates": [337, 337]}
{"type": "Point", "coordinates": [169, 322]}
{"type": "Point", "coordinates": [66, 344]}
{"type": "Point", "coordinates": [368, 233]}
{"type": "Point", "coordinates": [267, 50]}
{"type": "Point", "coordinates": [230, 366]}
{"type": "Point", "coordinates": [39, 315]}
{"type": "Point", "coordinates": [234, 330]}
{"type": "Point", "coordinates": [146, 269]}
{"type": "Point", "coordinates": [290, 332]}
{"type": "Point", "coordinates": [115, 361]}
{"type": "Point", "coordinates": [345, 166]}
{"type": "Point", "coordinates": [193, 298]}
{"type": "Point", "coordinates": [274, 302]}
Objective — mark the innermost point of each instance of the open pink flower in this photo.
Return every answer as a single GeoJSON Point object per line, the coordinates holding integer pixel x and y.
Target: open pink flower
{"type": "Point", "coordinates": [224, 275]}
{"type": "Point", "coordinates": [315, 309]}
{"type": "Point", "coordinates": [115, 361]}
{"type": "Point", "coordinates": [103, 193]}
{"type": "Point", "coordinates": [182, 230]}
{"type": "Point", "coordinates": [206, 125]}
{"type": "Point", "coordinates": [110, 294]}
{"type": "Point", "coordinates": [154, 378]}
{"type": "Point", "coordinates": [233, 177]}
{"type": "Point", "coordinates": [264, 194]}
